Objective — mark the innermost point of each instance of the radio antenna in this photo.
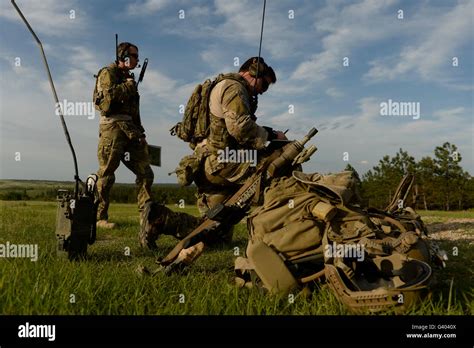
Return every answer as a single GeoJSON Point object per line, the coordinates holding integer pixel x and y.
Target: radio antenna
{"type": "Point", "coordinates": [259, 50]}
{"type": "Point", "coordinates": [55, 95]}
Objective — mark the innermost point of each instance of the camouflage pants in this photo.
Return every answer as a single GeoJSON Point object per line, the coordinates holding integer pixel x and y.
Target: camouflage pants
{"type": "Point", "coordinates": [216, 182]}
{"type": "Point", "coordinates": [204, 202]}
{"type": "Point", "coordinates": [163, 220]}
{"type": "Point", "coordinates": [115, 146]}
{"type": "Point", "coordinates": [173, 223]}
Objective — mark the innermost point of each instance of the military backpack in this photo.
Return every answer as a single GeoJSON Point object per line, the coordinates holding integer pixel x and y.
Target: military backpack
{"type": "Point", "coordinates": [312, 227]}
{"type": "Point", "coordinates": [194, 126]}
{"type": "Point", "coordinates": [100, 102]}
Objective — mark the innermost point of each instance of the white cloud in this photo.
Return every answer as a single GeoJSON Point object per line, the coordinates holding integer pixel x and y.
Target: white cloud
{"type": "Point", "coordinates": [160, 87]}
{"type": "Point", "coordinates": [147, 7]}
{"type": "Point", "coordinates": [430, 56]}
{"type": "Point", "coordinates": [220, 60]}
{"type": "Point", "coordinates": [334, 92]}
{"type": "Point", "coordinates": [236, 26]}
{"type": "Point", "coordinates": [344, 30]}
{"type": "Point", "coordinates": [48, 17]}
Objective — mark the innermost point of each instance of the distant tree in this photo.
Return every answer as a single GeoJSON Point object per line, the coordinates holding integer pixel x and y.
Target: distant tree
{"type": "Point", "coordinates": [450, 177]}
{"type": "Point", "coordinates": [426, 181]}
{"type": "Point", "coordinates": [379, 183]}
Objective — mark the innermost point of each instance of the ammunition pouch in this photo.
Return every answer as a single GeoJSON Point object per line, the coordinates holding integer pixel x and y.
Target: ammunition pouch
{"type": "Point", "coordinates": [270, 268]}
{"type": "Point", "coordinates": [188, 168]}
{"type": "Point", "coordinates": [131, 130]}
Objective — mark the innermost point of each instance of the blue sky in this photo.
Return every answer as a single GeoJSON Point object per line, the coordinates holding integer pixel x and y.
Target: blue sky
{"type": "Point", "coordinates": [406, 60]}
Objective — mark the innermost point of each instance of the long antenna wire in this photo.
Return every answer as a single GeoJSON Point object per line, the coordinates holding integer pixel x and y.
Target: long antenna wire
{"type": "Point", "coordinates": [261, 36]}
{"type": "Point", "coordinates": [55, 95]}
{"type": "Point", "coordinates": [260, 47]}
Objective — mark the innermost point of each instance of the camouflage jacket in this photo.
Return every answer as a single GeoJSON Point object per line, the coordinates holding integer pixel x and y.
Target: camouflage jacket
{"type": "Point", "coordinates": [118, 99]}
{"type": "Point", "coordinates": [232, 121]}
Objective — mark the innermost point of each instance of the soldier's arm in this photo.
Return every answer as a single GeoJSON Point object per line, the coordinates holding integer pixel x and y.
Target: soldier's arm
{"type": "Point", "coordinates": [238, 118]}
{"type": "Point", "coordinates": [116, 92]}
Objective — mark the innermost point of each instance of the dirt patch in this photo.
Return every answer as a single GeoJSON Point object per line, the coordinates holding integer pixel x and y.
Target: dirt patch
{"type": "Point", "coordinates": [453, 230]}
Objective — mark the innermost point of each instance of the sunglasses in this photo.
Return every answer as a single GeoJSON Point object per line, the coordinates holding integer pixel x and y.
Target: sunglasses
{"type": "Point", "coordinates": [134, 55]}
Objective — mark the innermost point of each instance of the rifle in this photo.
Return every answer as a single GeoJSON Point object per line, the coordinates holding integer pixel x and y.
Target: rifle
{"type": "Point", "coordinates": [234, 208]}
{"type": "Point", "coordinates": [142, 72]}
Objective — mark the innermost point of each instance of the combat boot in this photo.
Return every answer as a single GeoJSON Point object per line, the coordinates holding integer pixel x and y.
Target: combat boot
{"type": "Point", "coordinates": [148, 233]}
{"type": "Point", "coordinates": [105, 224]}
{"type": "Point", "coordinates": [157, 219]}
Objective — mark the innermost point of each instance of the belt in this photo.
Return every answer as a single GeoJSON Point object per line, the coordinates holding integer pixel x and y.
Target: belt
{"type": "Point", "coordinates": [113, 118]}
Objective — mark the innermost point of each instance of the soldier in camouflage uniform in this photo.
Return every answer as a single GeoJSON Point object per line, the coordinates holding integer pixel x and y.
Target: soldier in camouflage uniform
{"type": "Point", "coordinates": [233, 126]}
{"type": "Point", "coordinates": [232, 104]}
{"type": "Point", "coordinates": [121, 134]}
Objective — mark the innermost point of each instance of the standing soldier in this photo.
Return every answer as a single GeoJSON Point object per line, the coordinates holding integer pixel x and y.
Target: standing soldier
{"type": "Point", "coordinates": [121, 134]}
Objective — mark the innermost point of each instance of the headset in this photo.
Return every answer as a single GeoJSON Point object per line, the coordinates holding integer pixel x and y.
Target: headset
{"type": "Point", "coordinates": [123, 53]}
{"type": "Point", "coordinates": [257, 68]}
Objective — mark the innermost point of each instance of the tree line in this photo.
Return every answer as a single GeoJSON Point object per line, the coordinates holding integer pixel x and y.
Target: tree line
{"type": "Point", "coordinates": [440, 184]}
{"type": "Point", "coordinates": [121, 193]}
{"type": "Point", "coordinates": [440, 181]}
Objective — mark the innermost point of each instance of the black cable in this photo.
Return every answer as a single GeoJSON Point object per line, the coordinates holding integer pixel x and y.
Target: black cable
{"type": "Point", "coordinates": [51, 83]}
{"type": "Point", "coordinates": [259, 49]}
{"type": "Point", "coordinates": [261, 36]}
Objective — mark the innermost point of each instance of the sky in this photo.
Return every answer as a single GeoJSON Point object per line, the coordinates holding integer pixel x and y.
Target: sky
{"type": "Point", "coordinates": [336, 62]}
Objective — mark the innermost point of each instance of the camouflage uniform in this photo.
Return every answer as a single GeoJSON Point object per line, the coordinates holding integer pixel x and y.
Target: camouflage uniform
{"type": "Point", "coordinates": [232, 125]}
{"type": "Point", "coordinates": [119, 134]}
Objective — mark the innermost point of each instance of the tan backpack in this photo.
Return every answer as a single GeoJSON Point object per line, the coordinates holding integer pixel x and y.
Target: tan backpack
{"type": "Point", "coordinates": [295, 238]}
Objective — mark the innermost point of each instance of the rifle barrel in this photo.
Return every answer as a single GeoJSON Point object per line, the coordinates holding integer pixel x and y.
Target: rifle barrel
{"type": "Point", "coordinates": [312, 132]}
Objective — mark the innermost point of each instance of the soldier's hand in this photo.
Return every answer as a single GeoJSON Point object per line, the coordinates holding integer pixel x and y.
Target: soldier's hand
{"type": "Point", "coordinates": [142, 141]}
{"type": "Point", "coordinates": [280, 135]}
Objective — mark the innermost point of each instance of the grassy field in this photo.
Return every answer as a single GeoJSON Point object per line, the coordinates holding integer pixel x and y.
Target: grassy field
{"type": "Point", "coordinates": [109, 283]}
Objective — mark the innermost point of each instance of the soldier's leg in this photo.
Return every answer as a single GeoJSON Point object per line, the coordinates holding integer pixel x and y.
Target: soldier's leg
{"type": "Point", "coordinates": [204, 202]}
{"type": "Point", "coordinates": [110, 150]}
{"type": "Point", "coordinates": [159, 219]}
{"type": "Point", "coordinates": [215, 186]}
{"type": "Point", "coordinates": [136, 159]}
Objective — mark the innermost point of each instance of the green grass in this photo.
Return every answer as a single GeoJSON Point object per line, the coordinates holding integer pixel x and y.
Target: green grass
{"type": "Point", "coordinates": [108, 282]}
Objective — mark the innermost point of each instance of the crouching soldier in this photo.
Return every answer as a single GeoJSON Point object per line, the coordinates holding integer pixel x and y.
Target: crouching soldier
{"type": "Point", "coordinates": [229, 126]}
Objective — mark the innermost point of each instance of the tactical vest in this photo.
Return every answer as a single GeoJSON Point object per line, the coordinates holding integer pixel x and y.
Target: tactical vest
{"type": "Point", "coordinates": [106, 104]}
{"type": "Point", "coordinates": [219, 137]}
